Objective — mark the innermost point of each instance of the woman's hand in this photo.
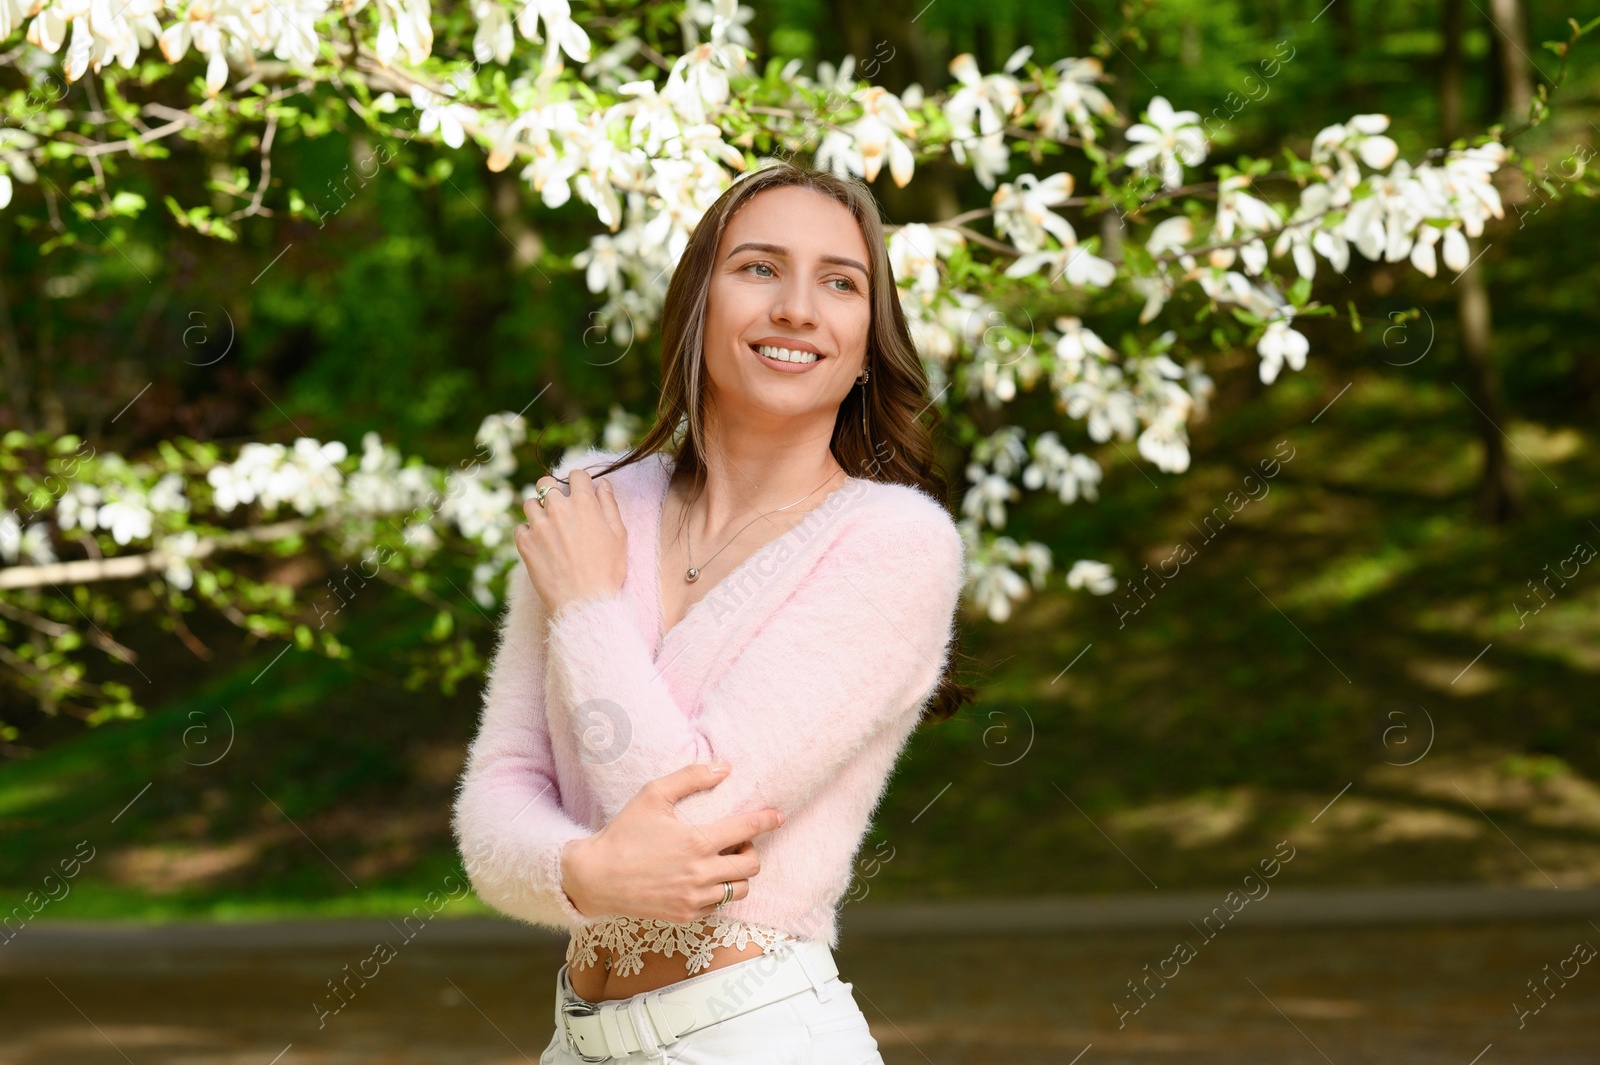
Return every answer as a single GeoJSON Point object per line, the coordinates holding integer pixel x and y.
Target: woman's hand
{"type": "Point", "coordinates": [575, 546]}
{"type": "Point", "coordinates": [647, 863]}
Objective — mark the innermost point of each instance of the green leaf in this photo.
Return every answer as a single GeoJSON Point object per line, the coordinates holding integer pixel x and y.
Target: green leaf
{"type": "Point", "coordinates": [128, 203]}
{"type": "Point", "coordinates": [444, 624]}
{"type": "Point", "coordinates": [1300, 291]}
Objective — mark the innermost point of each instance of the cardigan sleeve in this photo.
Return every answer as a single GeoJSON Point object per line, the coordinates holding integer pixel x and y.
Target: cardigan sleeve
{"type": "Point", "coordinates": [508, 819]}
{"type": "Point", "coordinates": [853, 651]}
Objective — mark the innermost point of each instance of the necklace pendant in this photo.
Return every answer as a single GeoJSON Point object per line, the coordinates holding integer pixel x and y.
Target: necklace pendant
{"type": "Point", "coordinates": [692, 575]}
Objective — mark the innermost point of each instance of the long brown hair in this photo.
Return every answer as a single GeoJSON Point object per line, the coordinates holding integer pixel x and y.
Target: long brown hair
{"type": "Point", "coordinates": [899, 413]}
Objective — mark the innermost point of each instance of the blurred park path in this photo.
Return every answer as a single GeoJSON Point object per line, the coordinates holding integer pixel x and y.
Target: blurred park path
{"type": "Point", "coordinates": [1392, 975]}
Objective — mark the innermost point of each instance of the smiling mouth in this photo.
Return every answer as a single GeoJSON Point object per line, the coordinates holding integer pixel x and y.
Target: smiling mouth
{"type": "Point", "coordinates": [786, 355]}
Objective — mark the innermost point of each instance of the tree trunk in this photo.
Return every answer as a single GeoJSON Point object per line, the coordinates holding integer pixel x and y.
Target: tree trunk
{"type": "Point", "coordinates": [1450, 74]}
{"type": "Point", "coordinates": [1499, 495]}
{"type": "Point", "coordinates": [11, 359]}
{"type": "Point", "coordinates": [506, 192]}
{"type": "Point", "coordinates": [1515, 67]}
{"type": "Point", "coordinates": [887, 40]}
{"type": "Point", "coordinates": [1112, 226]}
{"type": "Point", "coordinates": [1347, 35]}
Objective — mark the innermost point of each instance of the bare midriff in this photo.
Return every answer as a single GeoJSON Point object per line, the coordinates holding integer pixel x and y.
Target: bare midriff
{"type": "Point", "coordinates": [597, 984]}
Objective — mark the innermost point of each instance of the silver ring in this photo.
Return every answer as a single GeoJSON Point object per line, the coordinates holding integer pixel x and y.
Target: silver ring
{"type": "Point", "coordinates": [727, 894]}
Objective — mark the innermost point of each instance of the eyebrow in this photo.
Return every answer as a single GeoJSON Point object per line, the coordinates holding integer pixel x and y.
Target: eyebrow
{"type": "Point", "coordinates": [779, 250]}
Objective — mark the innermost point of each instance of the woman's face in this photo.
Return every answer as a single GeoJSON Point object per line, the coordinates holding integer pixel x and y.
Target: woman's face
{"type": "Point", "coordinates": [790, 272]}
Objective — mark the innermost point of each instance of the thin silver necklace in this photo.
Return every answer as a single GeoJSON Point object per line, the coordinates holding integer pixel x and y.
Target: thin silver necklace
{"type": "Point", "coordinates": [693, 573]}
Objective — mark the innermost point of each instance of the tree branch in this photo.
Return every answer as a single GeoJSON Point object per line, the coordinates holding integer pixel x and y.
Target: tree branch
{"type": "Point", "coordinates": [125, 567]}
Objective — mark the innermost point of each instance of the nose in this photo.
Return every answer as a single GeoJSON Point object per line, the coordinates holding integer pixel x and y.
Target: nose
{"type": "Point", "coordinates": [795, 303]}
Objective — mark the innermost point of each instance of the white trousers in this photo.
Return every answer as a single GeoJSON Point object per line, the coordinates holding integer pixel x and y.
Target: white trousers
{"type": "Point", "coordinates": [822, 1025]}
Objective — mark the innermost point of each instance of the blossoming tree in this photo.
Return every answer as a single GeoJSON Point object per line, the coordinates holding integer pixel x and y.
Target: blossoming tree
{"type": "Point", "coordinates": [577, 110]}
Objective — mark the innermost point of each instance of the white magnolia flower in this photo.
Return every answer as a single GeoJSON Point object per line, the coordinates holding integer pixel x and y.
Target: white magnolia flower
{"type": "Point", "coordinates": [1100, 398]}
{"type": "Point", "coordinates": [1075, 98]}
{"type": "Point", "coordinates": [493, 40]}
{"type": "Point", "coordinates": [1385, 223]}
{"type": "Point", "coordinates": [840, 155]}
{"type": "Point", "coordinates": [10, 536]}
{"type": "Point", "coordinates": [1059, 470]}
{"type": "Point", "coordinates": [995, 585]}
{"type": "Point", "coordinates": [1199, 386]}
{"type": "Point", "coordinates": [30, 545]}
{"type": "Point", "coordinates": [724, 20]}
{"type": "Point", "coordinates": [1022, 211]}
{"type": "Point", "coordinates": [126, 520]}
{"type": "Point", "coordinates": [836, 82]}
{"type": "Point", "coordinates": [877, 134]}
{"type": "Point", "coordinates": [179, 549]}
{"type": "Point", "coordinates": [1469, 179]}
{"type": "Point", "coordinates": [166, 497]}
{"type": "Point", "coordinates": [915, 250]}
{"type": "Point", "coordinates": [1362, 135]}
{"type": "Point", "coordinates": [1281, 344]}
{"type": "Point", "coordinates": [501, 433]}
{"type": "Point", "coordinates": [1155, 291]}
{"type": "Point", "coordinates": [378, 485]}
{"type": "Point", "coordinates": [654, 123]}
{"type": "Point", "coordinates": [610, 68]}
{"type": "Point", "coordinates": [1240, 213]}
{"type": "Point", "coordinates": [621, 429]}
{"type": "Point", "coordinates": [988, 496]}
{"type": "Point", "coordinates": [990, 99]}
{"type": "Point", "coordinates": [698, 84]}
{"type": "Point", "coordinates": [601, 263]}
{"type": "Point", "coordinates": [561, 33]}
{"type": "Point", "coordinates": [1077, 343]}
{"type": "Point", "coordinates": [439, 114]}
{"type": "Point", "coordinates": [421, 538]}
{"type": "Point", "coordinates": [482, 513]}
{"type": "Point", "coordinates": [482, 574]}
{"type": "Point", "coordinates": [1167, 142]}
{"type": "Point", "coordinates": [1078, 264]}
{"type": "Point", "coordinates": [1165, 442]}
{"type": "Point", "coordinates": [1094, 576]}
{"type": "Point", "coordinates": [990, 157]}
{"type": "Point", "coordinates": [79, 508]}
{"type": "Point", "coordinates": [1002, 449]}
{"type": "Point", "coordinates": [1170, 235]}
{"type": "Point", "coordinates": [1306, 233]}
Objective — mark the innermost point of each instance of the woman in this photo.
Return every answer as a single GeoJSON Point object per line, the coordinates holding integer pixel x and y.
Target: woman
{"type": "Point", "coordinates": [717, 648]}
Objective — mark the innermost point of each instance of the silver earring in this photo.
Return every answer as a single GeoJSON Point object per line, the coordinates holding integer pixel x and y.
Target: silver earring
{"type": "Point", "coordinates": [862, 381]}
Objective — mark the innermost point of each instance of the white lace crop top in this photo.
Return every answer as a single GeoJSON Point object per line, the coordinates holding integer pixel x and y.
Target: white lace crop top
{"type": "Point", "coordinates": [630, 938]}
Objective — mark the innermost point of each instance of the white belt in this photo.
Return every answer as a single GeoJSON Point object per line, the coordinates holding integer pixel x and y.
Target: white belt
{"type": "Point", "coordinates": [599, 1031]}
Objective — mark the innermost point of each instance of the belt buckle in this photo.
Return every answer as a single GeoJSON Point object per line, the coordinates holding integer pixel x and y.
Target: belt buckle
{"type": "Point", "coordinates": [580, 1008]}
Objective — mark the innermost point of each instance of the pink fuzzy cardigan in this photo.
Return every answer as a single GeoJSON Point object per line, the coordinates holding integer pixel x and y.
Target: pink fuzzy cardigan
{"type": "Point", "coordinates": [806, 668]}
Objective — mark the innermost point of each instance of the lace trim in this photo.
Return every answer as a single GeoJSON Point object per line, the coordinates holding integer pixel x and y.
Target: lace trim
{"type": "Point", "coordinates": [630, 938]}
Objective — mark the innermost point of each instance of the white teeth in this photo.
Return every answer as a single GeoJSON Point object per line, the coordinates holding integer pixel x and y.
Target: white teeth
{"type": "Point", "coordinates": [785, 355]}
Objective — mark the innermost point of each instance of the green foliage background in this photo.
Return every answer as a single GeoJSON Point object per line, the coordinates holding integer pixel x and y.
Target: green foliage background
{"type": "Point", "coordinates": [1198, 735]}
